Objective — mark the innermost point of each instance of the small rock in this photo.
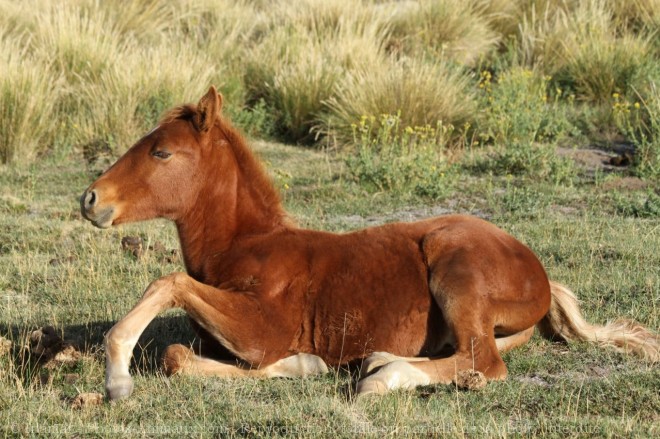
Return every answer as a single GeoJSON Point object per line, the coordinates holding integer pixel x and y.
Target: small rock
{"type": "Point", "coordinates": [535, 380]}
{"type": "Point", "coordinates": [623, 159]}
{"type": "Point", "coordinates": [67, 356]}
{"type": "Point", "coordinates": [46, 378]}
{"type": "Point", "coordinates": [61, 261]}
{"type": "Point", "coordinates": [84, 400]}
{"type": "Point", "coordinates": [45, 341]}
{"type": "Point", "coordinates": [5, 346]}
{"type": "Point", "coordinates": [470, 380]}
{"type": "Point", "coordinates": [158, 247]}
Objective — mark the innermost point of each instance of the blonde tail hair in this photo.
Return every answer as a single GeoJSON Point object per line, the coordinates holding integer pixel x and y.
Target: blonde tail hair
{"type": "Point", "coordinates": [565, 321]}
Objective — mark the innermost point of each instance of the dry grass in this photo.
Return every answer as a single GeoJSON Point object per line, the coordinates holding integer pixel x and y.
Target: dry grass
{"type": "Point", "coordinates": [420, 93]}
{"type": "Point", "coordinates": [29, 89]}
{"type": "Point", "coordinates": [316, 66]}
{"type": "Point", "coordinates": [456, 30]}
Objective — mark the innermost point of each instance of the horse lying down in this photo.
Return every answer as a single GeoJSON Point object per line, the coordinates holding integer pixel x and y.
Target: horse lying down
{"type": "Point", "coordinates": [419, 302]}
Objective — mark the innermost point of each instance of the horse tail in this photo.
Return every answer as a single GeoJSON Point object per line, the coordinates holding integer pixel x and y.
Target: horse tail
{"type": "Point", "coordinates": [564, 321]}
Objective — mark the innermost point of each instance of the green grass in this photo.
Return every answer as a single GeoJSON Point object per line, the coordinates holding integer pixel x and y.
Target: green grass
{"type": "Point", "coordinates": [56, 269]}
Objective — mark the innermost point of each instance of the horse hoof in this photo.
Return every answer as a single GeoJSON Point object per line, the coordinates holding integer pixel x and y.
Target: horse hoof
{"type": "Point", "coordinates": [312, 365]}
{"type": "Point", "coordinates": [176, 359]}
{"type": "Point", "coordinates": [370, 386]}
{"type": "Point", "coordinates": [375, 361]}
{"type": "Point", "coordinates": [119, 388]}
{"type": "Point", "coordinates": [398, 374]}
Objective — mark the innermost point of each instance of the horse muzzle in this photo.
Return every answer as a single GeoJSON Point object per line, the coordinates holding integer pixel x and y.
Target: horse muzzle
{"type": "Point", "coordinates": [101, 217]}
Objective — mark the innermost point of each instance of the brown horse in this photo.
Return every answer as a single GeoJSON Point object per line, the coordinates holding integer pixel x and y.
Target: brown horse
{"type": "Point", "coordinates": [451, 293]}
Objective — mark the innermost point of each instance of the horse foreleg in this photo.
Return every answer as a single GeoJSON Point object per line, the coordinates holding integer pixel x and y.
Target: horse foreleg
{"type": "Point", "coordinates": [123, 336]}
{"type": "Point", "coordinates": [221, 313]}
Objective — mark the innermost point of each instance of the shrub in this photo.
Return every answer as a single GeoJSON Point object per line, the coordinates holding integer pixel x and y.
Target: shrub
{"type": "Point", "coordinates": [639, 120]}
{"type": "Point", "coordinates": [521, 114]}
{"type": "Point", "coordinates": [520, 107]}
{"type": "Point", "coordinates": [401, 160]}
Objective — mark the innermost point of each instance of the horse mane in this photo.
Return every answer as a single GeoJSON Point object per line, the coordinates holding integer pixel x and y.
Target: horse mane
{"type": "Point", "coordinates": [248, 163]}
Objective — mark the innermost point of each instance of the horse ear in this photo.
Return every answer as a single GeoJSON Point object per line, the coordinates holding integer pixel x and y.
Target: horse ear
{"type": "Point", "coordinates": [208, 110]}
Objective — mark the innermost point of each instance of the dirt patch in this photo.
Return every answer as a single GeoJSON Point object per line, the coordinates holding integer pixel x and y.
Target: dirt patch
{"type": "Point", "coordinates": [134, 245]}
{"type": "Point", "coordinates": [405, 215]}
{"type": "Point", "coordinates": [534, 380]}
{"type": "Point", "coordinates": [625, 183]}
{"type": "Point", "coordinates": [55, 262]}
{"type": "Point", "coordinates": [71, 378]}
{"type": "Point", "coordinates": [594, 159]}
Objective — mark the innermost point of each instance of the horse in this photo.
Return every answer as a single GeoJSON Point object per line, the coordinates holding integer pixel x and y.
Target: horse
{"type": "Point", "coordinates": [416, 303]}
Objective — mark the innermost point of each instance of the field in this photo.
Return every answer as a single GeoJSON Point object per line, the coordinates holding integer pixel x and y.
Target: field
{"type": "Point", "coordinates": [544, 118]}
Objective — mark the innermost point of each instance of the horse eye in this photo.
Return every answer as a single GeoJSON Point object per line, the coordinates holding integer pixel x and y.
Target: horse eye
{"type": "Point", "coordinates": [161, 154]}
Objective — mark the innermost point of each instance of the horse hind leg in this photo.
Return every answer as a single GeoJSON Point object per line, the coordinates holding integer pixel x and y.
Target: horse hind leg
{"type": "Point", "coordinates": [505, 344]}
{"type": "Point", "coordinates": [379, 359]}
{"type": "Point", "coordinates": [458, 293]}
{"type": "Point", "coordinates": [479, 353]}
{"type": "Point", "coordinates": [475, 348]}
{"type": "Point", "coordinates": [179, 359]}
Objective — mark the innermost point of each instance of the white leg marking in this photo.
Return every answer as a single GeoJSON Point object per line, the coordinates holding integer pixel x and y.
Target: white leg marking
{"type": "Point", "coordinates": [398, 374]}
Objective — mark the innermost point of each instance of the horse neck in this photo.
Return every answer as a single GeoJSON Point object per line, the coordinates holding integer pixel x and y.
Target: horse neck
{"type": "Point", "coordinates": [237, 200]}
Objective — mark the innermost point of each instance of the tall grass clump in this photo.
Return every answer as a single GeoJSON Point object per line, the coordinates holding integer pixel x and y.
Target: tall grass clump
{"type": "Point", "coordinates": [29, 89]}
{"type": "Point", "coordinates": [296, 68]}
{"type": "Point", "coordinates": [144, 20]}
{"type": "Point", "coordinates": [81, 43]}
{"type": "Point", "coordinates": [582, 46]}
{"type": "Point", "coordinates": [224, 30]}
{"type": "Point", "coordinates": [596, 68]}
{"type": "Point", "coordinates": [294, 75]}
{"type": "Point", "coordinates": [635, 15]}
{"type": "Point", "coordinates": [421, 93]}
{"type": "Point", "coordinates": [130, 96]}
{"type": "Point", "coordinates": [457, 30]}
{"type": "Point", "coordinates": [316, 16]}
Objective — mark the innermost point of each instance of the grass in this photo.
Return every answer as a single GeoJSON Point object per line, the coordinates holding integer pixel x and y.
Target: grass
{"type": "Point", "coordinates": [424, 107]}
{"type": "Point", "coordinates": [57, 270]}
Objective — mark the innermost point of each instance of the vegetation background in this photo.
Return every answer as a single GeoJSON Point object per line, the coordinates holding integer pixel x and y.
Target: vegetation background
{"type": "Point", "coordinates": [540, 115]}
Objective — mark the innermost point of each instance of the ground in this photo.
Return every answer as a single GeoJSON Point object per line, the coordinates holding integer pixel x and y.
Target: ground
{"type": "Point", "coordinates": [599, 235]}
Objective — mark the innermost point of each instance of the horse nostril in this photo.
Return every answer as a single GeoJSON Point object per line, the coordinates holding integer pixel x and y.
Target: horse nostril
{"type": "Point", "coordinates": [90, 199]}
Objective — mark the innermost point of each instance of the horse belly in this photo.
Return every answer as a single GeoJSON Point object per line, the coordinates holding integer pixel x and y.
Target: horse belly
{"type": "Point", "coordinates": [377, 302]}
